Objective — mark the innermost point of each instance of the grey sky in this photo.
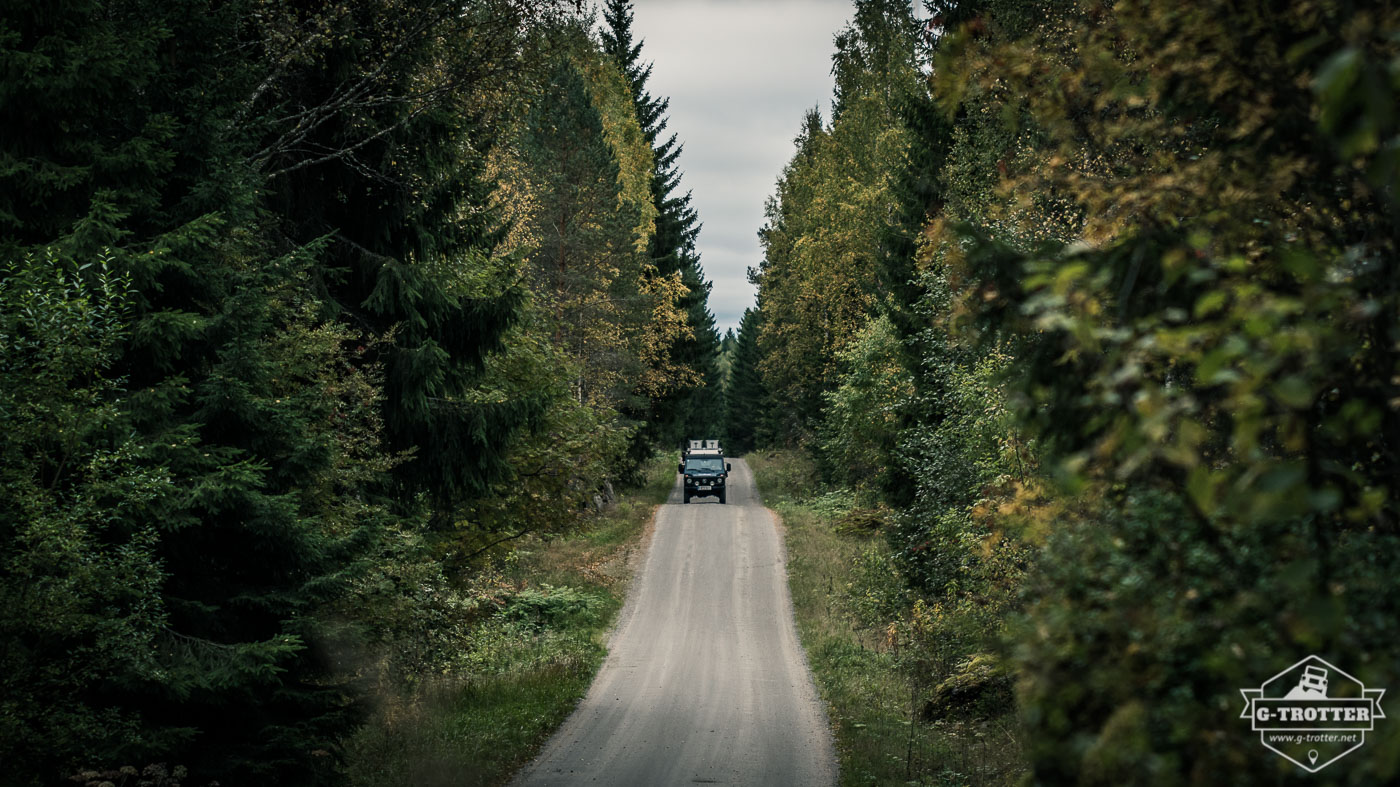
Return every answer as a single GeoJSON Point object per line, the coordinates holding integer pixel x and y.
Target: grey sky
{"type": "Point", "coordinates": [740, 74]}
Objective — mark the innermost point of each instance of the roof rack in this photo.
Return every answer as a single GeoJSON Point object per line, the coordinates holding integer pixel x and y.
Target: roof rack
{"type": "Point", "coordinates": [701, 445]}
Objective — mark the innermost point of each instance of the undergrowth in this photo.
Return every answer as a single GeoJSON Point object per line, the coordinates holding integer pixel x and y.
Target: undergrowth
{"type": "Point", "coordinates": [531, 638]}
{"type": "Point", "coordinates": [842, 583]}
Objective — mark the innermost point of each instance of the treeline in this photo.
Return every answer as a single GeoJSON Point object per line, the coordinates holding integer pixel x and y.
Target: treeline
{"type": "Point", "coordinates": [305, 308]}
{"type": "Point", "coordinates": [1096, 307]}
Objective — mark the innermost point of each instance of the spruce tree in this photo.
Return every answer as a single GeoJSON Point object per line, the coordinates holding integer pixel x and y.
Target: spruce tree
{"type": "Point", "coordinates": [398, 192]}
{"type": "Point", "coordinates": [272, 284]}
{"type": "Point", "coordinates": [918, 193]}
{"type": "Point", "coordinates": [746, 399]}
{"type": "Point", "coordinates": [689, 412]}
{"type": "Point", "coordinates": [585, 271]}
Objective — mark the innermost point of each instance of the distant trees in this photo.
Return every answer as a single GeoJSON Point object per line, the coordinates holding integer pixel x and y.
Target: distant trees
{"type": "Point", "coordinates": [277, 316]}
{"type": "Point", "coordinates": [818, 282]}
{"type": "Point", "coordinates": [746, 400]}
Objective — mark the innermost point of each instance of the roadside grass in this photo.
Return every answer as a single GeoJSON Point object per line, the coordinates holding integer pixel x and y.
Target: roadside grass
{"type": "Point", "coordinates": [529, 665]}
{"type": "Point", "coordinates": [870, 698]}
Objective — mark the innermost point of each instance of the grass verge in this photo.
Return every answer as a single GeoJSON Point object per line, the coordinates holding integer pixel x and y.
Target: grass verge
{"type": "Point", "coordinates": [527, 665]}
{"type": "Point", "coordinates": [869, 694]}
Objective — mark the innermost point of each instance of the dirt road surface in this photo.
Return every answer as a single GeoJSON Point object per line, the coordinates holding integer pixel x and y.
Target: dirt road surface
{"type": "Point", "coordinates": [705, 682]}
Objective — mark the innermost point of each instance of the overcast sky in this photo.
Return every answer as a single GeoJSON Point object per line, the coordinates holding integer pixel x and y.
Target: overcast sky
{"type": "Point", "coordinates": [740, 74]}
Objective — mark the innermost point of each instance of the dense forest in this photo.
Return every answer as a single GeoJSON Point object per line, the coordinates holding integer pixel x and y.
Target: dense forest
{"type": "Point", "coordinates": [1093, 306]}
{"type": "Point", "coordinates": [310, 312]}
{"type": "Point", "coordinates": [305, 309]}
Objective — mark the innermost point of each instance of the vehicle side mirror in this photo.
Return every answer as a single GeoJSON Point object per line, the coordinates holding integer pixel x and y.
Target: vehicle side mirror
{"type": "Point", "coordinates": [728, 466]}
{"type": "Point", "coordinates": [680, 468]}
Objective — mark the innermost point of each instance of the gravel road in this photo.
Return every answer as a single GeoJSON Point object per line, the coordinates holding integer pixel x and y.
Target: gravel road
{"type": "Point", "coordinates": [705, 681]}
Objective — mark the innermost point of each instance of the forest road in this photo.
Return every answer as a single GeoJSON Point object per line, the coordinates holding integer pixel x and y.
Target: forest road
{"type": "Point", "coordinates": [705, 681]}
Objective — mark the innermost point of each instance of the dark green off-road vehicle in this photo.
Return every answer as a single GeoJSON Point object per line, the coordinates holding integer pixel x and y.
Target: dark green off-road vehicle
{"type": "Point", "coordinates": [706, 472]}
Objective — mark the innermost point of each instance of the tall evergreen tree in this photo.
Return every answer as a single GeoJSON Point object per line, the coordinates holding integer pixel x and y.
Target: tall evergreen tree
{"type": "Point", "coordinates": [821, 273]}
{"type": "Point", "coordinates": [690, 411]}
{"type": "Point", "coordinates": [285, 240]}
{"type": "Point", "coordinates": [918, 194]}
{"type": "Point", "coordinates": [585, 271]}
{"type": "Point", "coordinates": [795, 346]}
{"type": "Point", "coordinates": [395, 184]}
{"type": "Point", "coordinates": [746, 400]}
{"type": "Point", "coordinates": [137, 155]}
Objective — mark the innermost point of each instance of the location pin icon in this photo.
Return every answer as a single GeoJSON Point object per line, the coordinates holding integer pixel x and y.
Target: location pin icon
{"type": "Point", "coordinates": [1312, 756]}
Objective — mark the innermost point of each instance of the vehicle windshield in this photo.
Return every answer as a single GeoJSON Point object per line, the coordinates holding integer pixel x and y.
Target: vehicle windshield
{"type": "Point", "coordinates": [704, 464]}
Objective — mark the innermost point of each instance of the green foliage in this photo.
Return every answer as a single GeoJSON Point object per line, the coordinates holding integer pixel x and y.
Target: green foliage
{"type": "Point", "coordinates": [1185, 607]}
{"type": "Point", "coordinates": [960, 448]}
{"type": "Point", "coordinates": [549, 605]}
{"type": "Point", "coordinates": [80, 582]}
{"type": "Point", "coordinates": [235, 449]}
{"type": "Point", "coordinates": [274, 437]}
{"type": "Point", "coordinates": [584, 266]}
{"type": "Point", "coordinates": [238, 398]}
{"type": "Point", "coordinates": [819, 280]}
{"type": "Point", "coordinates": [860, 427]}
{"type": "Point", "coordinates": [857, 620]}
{"type": "Point", "coordinates": [560, 466]}
{"type": "Point", "coordinates": [686, 409]}
{"type": "Point", "coordinates": [374, 145]}
{"type": "Point", "coordinates": [506, 656]}
{"type": "Point", "coordinates": [1137, 278]}
{"type": "Point", "coordinates": [746, 401]}
{"type": "Point", "coordinates": [105, 140]}
{"type": "Point", "coordinates": [580, 181]}
{"type": "Point", "coordinates": [1204, 370]}
{"type": "Point", "coordinates": [155, 775]}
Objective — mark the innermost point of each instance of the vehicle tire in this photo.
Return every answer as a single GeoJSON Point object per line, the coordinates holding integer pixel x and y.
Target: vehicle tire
{"type": "Point", "coordinates": [685, 497]}
{"type": "Point", "coordinates": [721, 498]}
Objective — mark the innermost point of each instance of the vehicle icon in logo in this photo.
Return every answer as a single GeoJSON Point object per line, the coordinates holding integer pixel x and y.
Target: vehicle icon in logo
{"type": "Point", "coordinates": [1313, 686]}
{"type": "Point", "coordinates": [1313, 713]}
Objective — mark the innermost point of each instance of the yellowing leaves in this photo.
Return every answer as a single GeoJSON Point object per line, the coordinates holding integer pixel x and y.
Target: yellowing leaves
{"type": "Point", "coordinates": [611, 95]}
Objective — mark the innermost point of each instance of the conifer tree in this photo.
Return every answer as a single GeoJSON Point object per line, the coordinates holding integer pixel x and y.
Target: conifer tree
{"type": "Point", "coordinates": [687, 411]}
{"type": "Point", "coordinates": [792, 344]}
{"type": "Point", "coordinates": [585, 269]}
{"type": "Point", "coordinates": [746, 399]}
{"type": "Point", "coordinates": [397, 189]}
{"type": "Point", "coordinates": [918, 193]}
{"type": "Point", "coordinates": [821, 273]}
{"type": "Point", "coordinates": [275, 275]}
